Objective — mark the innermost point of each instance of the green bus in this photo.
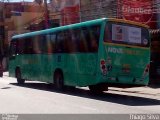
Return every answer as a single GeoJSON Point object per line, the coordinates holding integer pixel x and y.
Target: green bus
{"type": "Point", "coordinates": [97, 53]}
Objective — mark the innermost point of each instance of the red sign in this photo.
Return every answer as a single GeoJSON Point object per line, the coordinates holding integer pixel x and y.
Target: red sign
{"type": "Point", "coordinates": [138, 10]}
{"type": "Point", "coordinates": [70, 15]}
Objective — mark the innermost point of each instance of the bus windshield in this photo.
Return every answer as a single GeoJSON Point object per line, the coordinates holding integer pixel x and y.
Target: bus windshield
{"type": "Point", "coordinates": [123, 33]}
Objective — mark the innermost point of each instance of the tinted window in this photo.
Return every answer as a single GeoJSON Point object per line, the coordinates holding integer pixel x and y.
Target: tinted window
{"type": "Point", "coordinates": [38, 44]}
{"type": "Point", "coordinates": [66, 42]}
{"type": "Point", "coordinates": [12, 49]}
{"type": "Point", "coordinates": [126, 34]}
{"type": "Point", "coordinates": [60, 43]}
{"type": "Point", "coordinates": [23, 46]}
{"type": "Point", "coordinates": [84, 39]}
{"type": "Point", "coordinates": [27, 45]}
{"type": "Point", "coordinates": [94, 34]}
{"type": "Point", "coordinates": [87, 39]}
{"type": "Point", "coordinates": [51, 43]}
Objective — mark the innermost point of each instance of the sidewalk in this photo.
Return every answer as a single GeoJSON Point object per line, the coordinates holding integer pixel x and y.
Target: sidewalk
{"type": "Point", "coordinates": [146, 90]}
{"type": "Point", "coordinates": [5, 74]}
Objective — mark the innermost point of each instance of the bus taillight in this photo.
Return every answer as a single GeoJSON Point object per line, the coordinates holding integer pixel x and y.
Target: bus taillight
{"type": "Point", "coordinates": [146, 70]}
{"type": "Point", "coordinates": [103, 62]}
{"type": "Point", "coordinates": [103, 66]}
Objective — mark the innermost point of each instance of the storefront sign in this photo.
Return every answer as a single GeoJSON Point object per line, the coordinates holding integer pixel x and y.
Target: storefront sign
{"type": "Point", "coordinates": [138, 10]}
{"type": "Point", "coordinates": [70, 14]}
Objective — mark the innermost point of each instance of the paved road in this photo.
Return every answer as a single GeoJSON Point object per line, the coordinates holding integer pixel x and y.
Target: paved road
{"type": "Point", "coordinates": [37, 97]}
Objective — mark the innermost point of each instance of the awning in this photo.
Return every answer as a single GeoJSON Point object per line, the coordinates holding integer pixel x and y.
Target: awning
{"type": "Point", "coordinates": [155, 31]}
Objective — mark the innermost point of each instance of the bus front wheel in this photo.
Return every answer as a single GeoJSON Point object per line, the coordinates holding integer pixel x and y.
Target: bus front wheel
{"type": "Point", "coordinates": [58, 80]}
{"type": "Point", "coordinates": [1, 73]}
{"type": "Point", "coordinates": [19, 78]}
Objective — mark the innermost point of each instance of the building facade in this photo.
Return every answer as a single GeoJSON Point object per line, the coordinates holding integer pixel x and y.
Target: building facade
{"type": "Point", "coordinates": [142, 11]}
{"type": "Point", "coordinates": [13, 20]}
{"type": "Point", "coordinates": [94, 9]}
{"type": "Point", "coordinates": [32, 16]}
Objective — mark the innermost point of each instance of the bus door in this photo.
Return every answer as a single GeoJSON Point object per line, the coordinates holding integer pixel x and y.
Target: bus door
{"type": "Point", "coordinates": [28, 58]}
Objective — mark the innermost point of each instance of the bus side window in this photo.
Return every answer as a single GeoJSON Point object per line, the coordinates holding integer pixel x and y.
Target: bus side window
{"type": "Point", "coordinates": [108, 33]}
{"type": "Point", "coordinates": [12, 50]}
{"type": "Point", "coordinates": [51, 40]}
{"type": "Point", "coordinates": [94, 38]}
{"type": "Point", "coordinates": [28, 49]}
{"type": "Point", "coordinates": [84, 37]}
{"type": "Point", "coordinates": [35, 44]}
{"type": "Point", "coordinates": [74, 41]}
{"type": "Point", "coordinates": [67, 42]}
{"type": "Point", "coordinates": [20, 46]}
{"type": "Point", "coordinates": [60, 42]}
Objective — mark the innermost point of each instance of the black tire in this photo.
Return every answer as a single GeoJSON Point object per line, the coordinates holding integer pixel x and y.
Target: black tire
{"type": "Point", "coordinates": [1, 73]}
{"type": "Point", "coordinates": [99, 88]}
{"type": "Point", "coordinates": [1, 70]}
{"type": "Point", "coordinates": [58, 80]}
{"type": "Point", "coordinates": [95, 89]}
{"type": "Point", "coordinates": [19, 78]}
{"type": "Point", "coordinates": [70, 88]}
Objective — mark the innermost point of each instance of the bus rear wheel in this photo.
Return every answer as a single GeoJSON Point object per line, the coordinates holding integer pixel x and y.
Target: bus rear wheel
{"type": "Point", "coordinates": [98, 88]}
{"type": "Point", "coordinates": [19, 78]}
{"type": "Point", "coordinates": [58, 80]}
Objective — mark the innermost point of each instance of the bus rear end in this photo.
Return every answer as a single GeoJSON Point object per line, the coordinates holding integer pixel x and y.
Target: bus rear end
{"type": "Point", "coordinates": [126, 56]}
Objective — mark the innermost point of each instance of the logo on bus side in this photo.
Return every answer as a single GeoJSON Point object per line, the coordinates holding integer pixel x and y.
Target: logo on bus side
{"type": "Point", "coordinates": [123, 51]}
{"type": "Point", "coordinates": [115, 50]}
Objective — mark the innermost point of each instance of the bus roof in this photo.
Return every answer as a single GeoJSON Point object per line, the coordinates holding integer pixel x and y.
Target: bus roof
{"type": "Point", "coordinates": [50, 30]}
{"type": "Point", "coordinates": [77, 25]}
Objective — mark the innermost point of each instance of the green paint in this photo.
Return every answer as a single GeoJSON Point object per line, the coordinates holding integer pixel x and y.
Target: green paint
{"type": "Point", "coordinates": [83, 69]}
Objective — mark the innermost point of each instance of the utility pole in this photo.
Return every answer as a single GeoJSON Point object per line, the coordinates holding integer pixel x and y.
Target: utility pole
{"type": "Point", "coordinates": [2, 26]}
{"type": "Point", "coordinates": [46, 14]}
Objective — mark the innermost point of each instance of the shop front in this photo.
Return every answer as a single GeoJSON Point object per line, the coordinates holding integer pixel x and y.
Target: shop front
{"type": "Point", "coordinates": [155, 56]}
